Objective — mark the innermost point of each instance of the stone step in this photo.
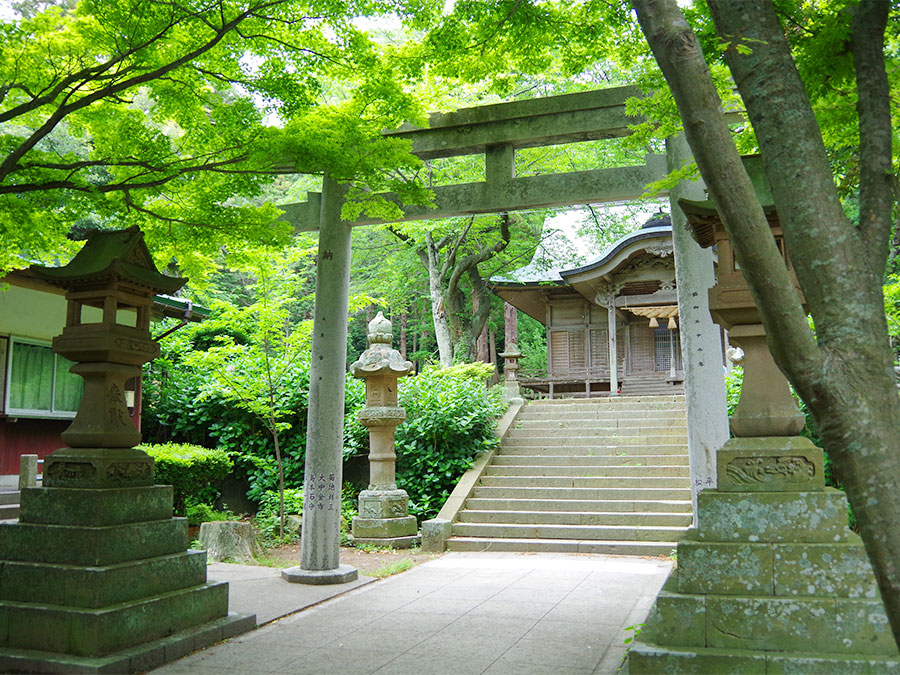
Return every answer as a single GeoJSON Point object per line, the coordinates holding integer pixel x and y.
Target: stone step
{"type": "Point", "coordinates": [556, 471]}
{"type": "Point", "coordinates": [583, 493]}
{"type": "Point", "coordinates": [588, 460]}
{"type": "Point", "coordinates": [9, 511]}
{"type": "Point", "coordinates": [676, 425]}
{"type": "Point", "coordinates": [525, 439]}
{"type": "Point", "coordinates": [626, 481]}
{"type": "Point", "coordinates": [647, 519]}
{"type": "Point", "coordinates": [651, 658]}
{"type": "Point", "coordinates": [592, 505]}
{"type": "Point", "coordinates": [9, 497]}
{"type": "Point", "coordinates": [603, 406]}
{"type": "Point", "coordinates": [587, 532]}
{"type": "Point", "coordinates": [602, 435]}
{"type": "Point", "coordinates": [595, 450]}
{"type": "Point", "coordinates": [472, 544]}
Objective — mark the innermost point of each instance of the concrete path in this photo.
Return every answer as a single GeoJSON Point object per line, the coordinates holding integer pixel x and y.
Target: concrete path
{"type": "Point", "coordinates": [492, 613]}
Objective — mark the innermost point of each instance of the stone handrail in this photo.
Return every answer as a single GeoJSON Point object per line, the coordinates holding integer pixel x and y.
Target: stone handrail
{"type": "Point", "coordinates": [436, 531]}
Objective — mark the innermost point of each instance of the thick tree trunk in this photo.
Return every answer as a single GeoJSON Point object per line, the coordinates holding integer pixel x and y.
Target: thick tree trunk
{"type": "Point", "coordinates": [843, 374]}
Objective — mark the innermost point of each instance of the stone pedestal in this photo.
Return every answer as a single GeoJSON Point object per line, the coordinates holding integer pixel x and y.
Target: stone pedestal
{"type": "Point", "coordinates": [99, 580]}
{"type": "Point", "coordinates": [95, 575]}
{"type": "Point", "coordinates": [384, 519]}
{"type": "Point", "coordinates": [772, 580]}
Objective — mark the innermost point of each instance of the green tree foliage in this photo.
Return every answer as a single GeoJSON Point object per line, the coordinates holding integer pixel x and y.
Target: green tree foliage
{"type": "Point", "coordinates": [152, 112]}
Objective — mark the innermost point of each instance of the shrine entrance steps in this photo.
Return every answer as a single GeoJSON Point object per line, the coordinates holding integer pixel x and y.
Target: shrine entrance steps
{"type": "Point", "coordinates": [605, 475]}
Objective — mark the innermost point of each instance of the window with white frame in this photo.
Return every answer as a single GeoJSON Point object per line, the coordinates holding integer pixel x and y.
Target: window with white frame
{"type": "Point", "coordinates": [38, 382]}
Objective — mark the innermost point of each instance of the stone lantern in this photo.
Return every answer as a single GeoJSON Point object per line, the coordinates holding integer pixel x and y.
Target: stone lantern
{"type": "Point", "coordinates": [770, 574]}
{"type": "Point", "coordinates": [114, 273]}
{"type": "Point", "coordinates": [510, 370]}
{"type": "Point", "coordinates": [383, 509]}
{"type": "Point", "coordinates": [767, 407]}
{"type": "Point", "coordinates": [99, 578]}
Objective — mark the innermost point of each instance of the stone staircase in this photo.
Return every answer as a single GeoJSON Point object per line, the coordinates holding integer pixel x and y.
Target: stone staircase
{"type": "Point", "coordinates": [9, 504]}
{"type": "Point", "coordinates": [607, 475]}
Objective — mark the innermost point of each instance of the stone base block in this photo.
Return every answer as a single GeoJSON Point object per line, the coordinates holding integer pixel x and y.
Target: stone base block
{"type": "Point", "coordinates": [137, 659]}
{"type": "Point", "coordinates": [96, 632]}
{"type": "Point", "coordinates": [435, 533]}
{"type": "Point", "coordinates": [770, 464]}
{"type": "Point", "coordinates": [819, 664]}
{"type": "Point", "coordinates": [95, 508]}
{"type": "Point", "coordinates": [840, 625]}
{"type": "Point", "coordinates": [825, 570]}
{"type": "Point", "coordinates": [795, 517]}
{"type": "Point", "coordinates": [92, 546]}
{"type": "Point", "coordinates": [98, 468]}
{"type": "Point", "coordinates": [94, 587]}
{"type": "Point", "coordinates": [384, 528]}
{"type": "Point", "coordinates": [391, 542]}
{"type": "Point", "coordinates": [647, 658]}
{"type": "Point", "coordinates": [801, 570]}
{"type": "Point", "coordinates": [340, 575]}
{"type": "Point", "coordinates": [375, 504]}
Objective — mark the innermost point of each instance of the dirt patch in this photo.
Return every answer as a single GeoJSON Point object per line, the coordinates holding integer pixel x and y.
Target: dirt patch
{"type": "Point", "coordinates": [369, 563]}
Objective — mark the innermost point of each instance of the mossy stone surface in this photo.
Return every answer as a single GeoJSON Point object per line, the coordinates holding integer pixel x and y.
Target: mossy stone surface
{"type": "Point", "coordinates": [645, 658]}
{"type": "Point", "coordinates": [769, 624]}
{"type": "Point", "coordinates": [95, 632]}
{"type": "Point", "coordinates": [759, 517]}
{"type": "Point", "coordinates": [725, 568]}
{"type": "Point", "coordinates": [381, 528]}
{"type": "Point", "coordinates": [95, 587]}
{"type": "Point", "coordinates": [824, 570]}
{"type": "Point", "coordinates": [92, 546]}
{"type": "Point", "coordinates": [91, 507]}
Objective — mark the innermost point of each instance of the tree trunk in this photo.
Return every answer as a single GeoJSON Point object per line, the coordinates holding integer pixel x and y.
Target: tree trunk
{"type": "Point", "coordinates": [844, 374]}
{"type": "Point", "coordinates": [403, 335]}
{"type": "Point", "coordinates": [438, 311]}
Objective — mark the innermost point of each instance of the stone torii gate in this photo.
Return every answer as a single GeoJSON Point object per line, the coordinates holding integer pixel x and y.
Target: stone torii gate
{"type": "Point", "coordinates": [496, 132]}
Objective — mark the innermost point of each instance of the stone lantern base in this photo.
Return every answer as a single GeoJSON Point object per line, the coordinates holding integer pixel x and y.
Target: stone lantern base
{"type": "Point", "coordinates": [384, 519]}
{"type": "Point", "coordinates": [99, 580]}
{"type": "Point", "coordinates": [771, 580]}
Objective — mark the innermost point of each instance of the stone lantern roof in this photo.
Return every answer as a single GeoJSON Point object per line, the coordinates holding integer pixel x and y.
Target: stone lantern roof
{"type": "Point", "coordinates": [703, 215]}
{"type": "Point", "coordinates": [119, 255]}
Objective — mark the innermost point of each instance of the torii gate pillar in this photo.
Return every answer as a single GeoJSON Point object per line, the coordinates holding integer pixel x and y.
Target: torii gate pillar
{"type": "Point", "coordinates": [320, 543]}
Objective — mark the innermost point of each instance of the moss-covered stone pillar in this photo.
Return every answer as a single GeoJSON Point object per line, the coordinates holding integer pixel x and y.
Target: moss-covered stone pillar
{"type": "Point", "coordinates": [383, 509]}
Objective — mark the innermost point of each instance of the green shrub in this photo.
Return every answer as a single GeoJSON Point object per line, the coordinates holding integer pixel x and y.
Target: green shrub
{"type": "Point", "coordinates": [197, 514]}
{"type": "Point", "coordinates": [195, 472]}
{"type": "Point", "coordinates": [450, 418]}
{"type": "Point", "coordinates": [267, 518]}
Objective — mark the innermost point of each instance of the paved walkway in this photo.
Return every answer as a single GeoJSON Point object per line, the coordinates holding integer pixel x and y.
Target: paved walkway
{"type": "Point", "coordinates": [492, 613]}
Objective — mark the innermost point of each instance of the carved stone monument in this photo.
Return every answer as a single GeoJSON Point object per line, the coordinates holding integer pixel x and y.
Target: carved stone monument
{"type": "Point", "coordinates": [771, 580]}
{"type": "Point", "coordinates": [383, 509]}
{"type": "Point", "coordinates": [95, 575]}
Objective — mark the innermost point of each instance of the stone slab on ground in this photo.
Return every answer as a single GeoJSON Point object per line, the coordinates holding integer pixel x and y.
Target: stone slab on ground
{"type": "Point", "coordinates": [492, 613]}
{"type": "Point", "coordinates": [262, 591]}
